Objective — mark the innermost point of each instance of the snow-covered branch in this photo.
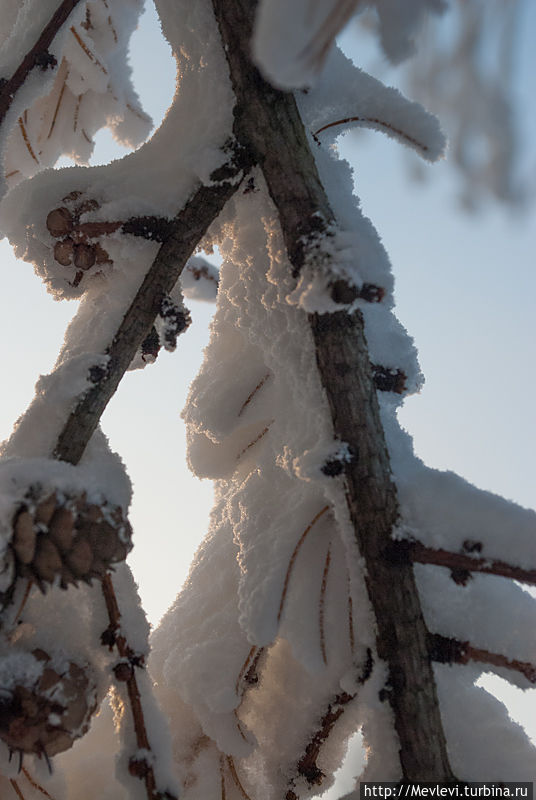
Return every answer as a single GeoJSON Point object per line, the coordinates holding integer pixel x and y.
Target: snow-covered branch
{"type": "Point", "coordinates": [38, 56]}
{"type": "Point", "coordinates": [185, 232]}
{"type": "Point", "coordinates": [460, 564]}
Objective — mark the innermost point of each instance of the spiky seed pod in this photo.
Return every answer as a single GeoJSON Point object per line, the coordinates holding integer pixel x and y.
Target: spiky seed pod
{"type": "Point", "coordinates": [67, 538]}
{"type": "Point", "coordinates": [44, 705]}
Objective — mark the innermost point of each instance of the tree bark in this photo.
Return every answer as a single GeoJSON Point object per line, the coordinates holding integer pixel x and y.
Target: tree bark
{"type": "Point", "coordinates": [267, 123]}
{"type": "Point", "coordinates": [184, 234]}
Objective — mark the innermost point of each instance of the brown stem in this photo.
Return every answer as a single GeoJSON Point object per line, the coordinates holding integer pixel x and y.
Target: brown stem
{"type": "Point", "coordinates": [126, 652]}
{"type": "Point", "coordinates": [36, 785]}
{"type": "Point", "coordinates": [293, 559]}
{"type": "Point", "coordinates": [37, 56]}
{"type": "Point", "coordinates": [267, 123]}
{"type": "Point", "coordinates": [321, 605]}
{"type": "Point", "coordinates": [185, 231]}
{"type": "Point", "coordinates": [459, 563]}
{"type": "Point", "coordinates": [234, 775]}
{"type": "Point", "coordinates": [447, 650]}
{"type": "Point", "coordinates": [374, 121]}
{"type": "Point", "coordinates": [16, 789]}
{"type": "Point", "coordinates": [252, 394]}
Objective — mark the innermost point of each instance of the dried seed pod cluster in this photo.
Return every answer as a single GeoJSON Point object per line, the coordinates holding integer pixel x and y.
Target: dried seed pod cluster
{"type": "Point", "coordinates": [68, 538]}
{"type": "Point", "coordinates": [75, 246]}
{"type": "Point", "coordinates": [45, 704]}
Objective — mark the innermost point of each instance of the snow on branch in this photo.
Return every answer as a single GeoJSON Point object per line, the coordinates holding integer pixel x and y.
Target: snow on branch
{"type": "Point", "coordinates": [461, 565]}
{"type": "Point", "coordinates": [38, 56]}
{"type": "Point", "coordinates": [347, 97]}
{"type": "Point", "coordinates": [186, 230]}
{"type": "Point", "coordinates": [451, 651]}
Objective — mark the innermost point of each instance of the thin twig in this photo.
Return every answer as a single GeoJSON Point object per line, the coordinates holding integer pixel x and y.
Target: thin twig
{"type": "Point", "coordinates": [294, 556]}
{"type": "Point", "coordinates": [126, 652]}
{"type": "Point", "coordinates": [234, 773]}
{"type": "Point", "coordinates": [252, 394]}
{"type": "Point", "coordinates": [350, 615]}
{"type": "Point", "coordinates": [322, 603]}
{"type": "Point", "coordinates": [183, 235]}
{"type": "Point", "coordinates": [222, 778]}
{"type": "Point", "coordinates": [419, 553]}
{"type": "Point", "coordinates": [255, 440]}
{"type": "Point", "coordinates": [58, 104]}
{"type": "Point", "coordinates": [444, 649]}
{"type": "Point", "coordinates": [89, 53]}
{"type": "Point", "coordinates": [244, 668]}
{"type": "Point", "coordinates": [26, 139]}
{"type": "Point", "coordinates": [18, 792]}
{"type": "Point", "coordinates": [371, 121]}
{"type": "Point", "coordinates": [35, 784]}
{"type": "Point", "coordinates": [10, 88]}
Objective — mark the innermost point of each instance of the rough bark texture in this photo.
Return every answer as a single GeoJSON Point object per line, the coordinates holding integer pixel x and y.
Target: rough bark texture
{"type": "Point", "coordinates": [267, 122]}
{"type": "Point", "coordinates": [187, 229]}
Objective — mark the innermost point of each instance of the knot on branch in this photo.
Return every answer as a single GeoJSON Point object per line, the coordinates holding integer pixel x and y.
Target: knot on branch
{"type": "Point", "coordinates": [45, 60]}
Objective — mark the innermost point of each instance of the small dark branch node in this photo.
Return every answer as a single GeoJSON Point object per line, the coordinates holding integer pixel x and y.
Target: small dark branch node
{"type": "Point", "coordinates": [368, 666]}
{"type": "Point", "coordinates": [96, 373]}
{"type": "Point", "coordinates": [344, 293]}
{"type": "Point", "coordinates": [460, 576]}
{"type": "Point", "coordinates": [389, 380]}
{"type": "Point", "coordinates": [399, 551]}
{"type": "Point", "coordinates": [471, 546]}
{"type": "Point", "coordinates": [445, 650]}
{"type": "Point", "coordinates": [176, 320]}
{"type": "Point", "coordinates": [150, 347]}
{"type": "Point", "coordinates": [420, 554]}
{"type": "Point", "coordinates": [45, 60]}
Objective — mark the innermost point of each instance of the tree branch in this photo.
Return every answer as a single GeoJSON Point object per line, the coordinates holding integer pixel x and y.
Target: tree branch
{"type": "Point", "coordinates": [459, 563]}
{"type": "Point", "coordinates": [186, 230]}
{"type": "Point", "coordinates": [446, 650]}
{"type": "Point", "coordinates": [38, 56]}
{"type": "Point", "coordinates": [267, 122]}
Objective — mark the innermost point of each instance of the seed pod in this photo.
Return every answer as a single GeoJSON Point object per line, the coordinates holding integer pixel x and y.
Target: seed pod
{"type": "Point", "coordinates": [64, 252]}
{"type": "Point", "coordinates": [60, 221]}
{"type": "Point", "coordinates": [44, 706]}
{"type": "Point", "coordinates": [47, 561]}
{"type": "Point", "coordinates": [45, 510]}
{"type": "Point", "coordinates": [80, 559]}
{"type": "Point", "coordinates": [69, 539]}
{"type": "Point", "coordinates": [24, 537]}
{"type": "Point", "coordinates": [84, 256]}
{"type": "Point", "coordinates": [61, 528]}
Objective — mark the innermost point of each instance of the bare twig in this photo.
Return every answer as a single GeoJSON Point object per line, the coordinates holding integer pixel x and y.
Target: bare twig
{"type": "Point", "coordinates": [255, 440]}
{"type": "Point", "coordinates": [447, 650]}
{"type": "Point", "coordinates": [252, 394]}
{"type": "Point", "coordinates": [16, 789]}
{"type": "Point", "coordinates": [131, 661]}
{"type": "Point", "coordinates": [37, 56]}
{"type": "Point", "coordinates": [234, 775]}
{"type": "Point", "coordinates": [185, 231]}
{"type": "Point", "coordinates": [293, 559]}
{"type": "Point", "coordinates": [322, 603]}
{"type": "Point", "coordinates": [36, 785]}
{"type": "Point", "coordinates": [374, 122]}
{"type": "Point", "coordinates": [417, 552]}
